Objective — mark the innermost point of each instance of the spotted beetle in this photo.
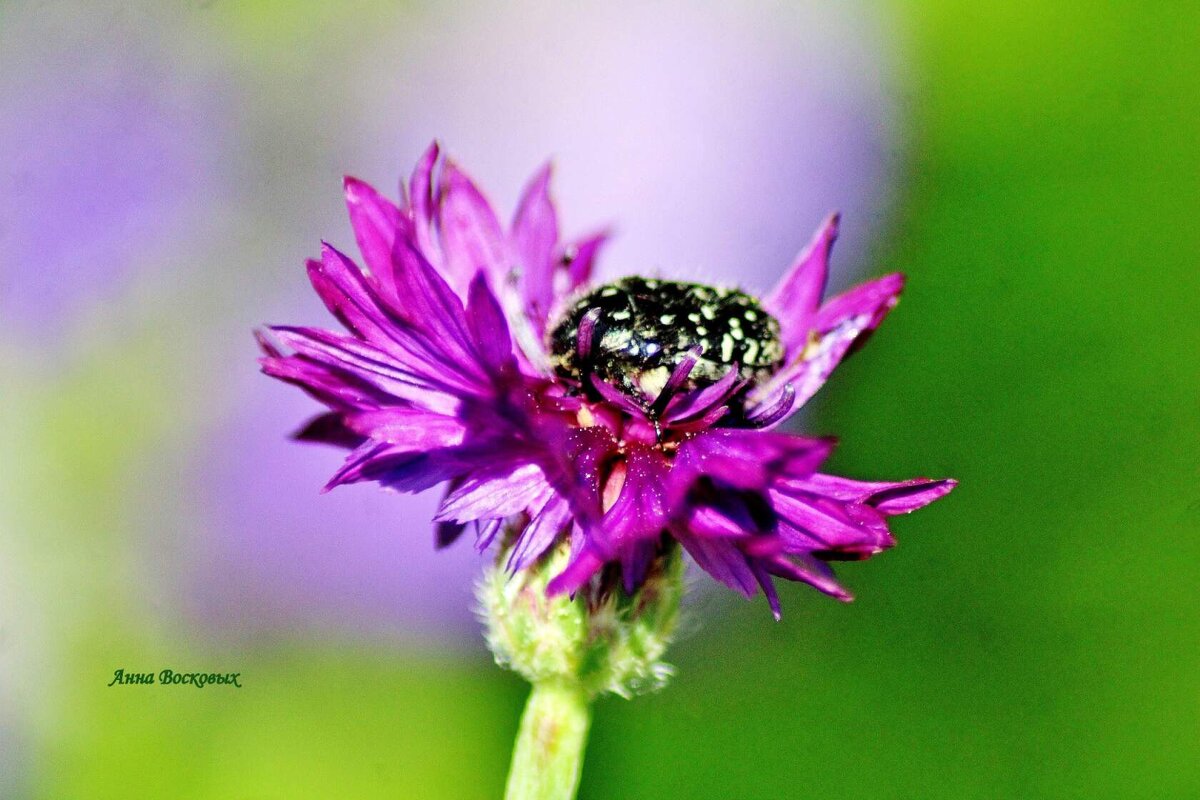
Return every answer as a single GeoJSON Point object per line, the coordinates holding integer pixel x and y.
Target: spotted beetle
{"type": "Point", "coordinates": [643, 327]}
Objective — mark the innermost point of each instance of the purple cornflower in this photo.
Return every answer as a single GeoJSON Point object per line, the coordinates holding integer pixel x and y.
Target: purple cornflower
{"type": "Point", "coordinates": [621, 418]}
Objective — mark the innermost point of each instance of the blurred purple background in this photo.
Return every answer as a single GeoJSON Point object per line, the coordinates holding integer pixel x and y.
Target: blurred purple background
{"type": "Point", "coordinates": [110, 149]}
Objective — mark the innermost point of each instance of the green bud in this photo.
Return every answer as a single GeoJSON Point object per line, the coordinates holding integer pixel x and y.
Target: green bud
{"type": "Point", "coordinates": [601, 640]}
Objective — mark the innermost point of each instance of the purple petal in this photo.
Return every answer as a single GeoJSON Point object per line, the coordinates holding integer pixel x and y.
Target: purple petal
{"type": "Point", "coordinates": [343, 289]}
{"type": "Point", "coordinates": [328, 428]}
{"type": "Point", "coordinates": [488, 327]}
{"type": "Point", "coordinates": [888, 497]}
{"type": "Point", "coordinates": [580, 258]}
{"type": "Point", "coordinates": [356, 364]}
{"type": "Point", "coordinates": [583, 456]}
{"type": "Point", "coordinates": [722, 560]}
{"type": "Point", "coordinates": [486, 532]}
{"type": "Point", "coordinates": [543, 529]}
{"type": "Point", "coordinates": [724, 513]}
{"type": "Point", "coordinates": [495, 493]}
{"type": "Point", "coordinates": [809, 373]}
{"type": "Point", "coordinates": [635, 563]}
{"type": "Point", "coordinates": [872, 300]}
{"type": "Point", "coordinates": [841, 326]}
{"type": "Point", "coordinates": [808, 524]}
{"type": "Point", "coordinates": [407, 472]}
{"type": "Point", "coordinates": [586, 563]}
{"type": "Point", "coordinates": [768, 587]}
{"type": "Point", "coordinates": [535, 237]}
{"type": "Point", "coordinates": [431, 307]}
{"type": "Point", "coordinates": [773, 409]}
{"type": "Point", "coordinates": [410, 428]}
{"type": "Point", "coordinates": [699, 402]}
{"type": "Point", "coordinates": [795, 299]}
{"type": "Point", "coordinates": [375, 220]}
{"type": "Point", "coordinates": [420, 197]}
{"type": "Point", "coordinates": [431, 339]}
{"type": "Point", "coordinates": [640, 509]}
{"type": "Point", "coordinates": [447, 533]}
{"type": "Point", "coordinates": [585, 337]}
{"type": "Point", "coordinates": [678, 375]}
{"type": "Point", "coordinates": [267, 343]}
{"type": "Point", "coordinates": [616, 397]}
{"type": "Point", "coordinates": [807, 569]}
{"type": "Point", "coordinates": [745, 459]}
{"type": "Point", "coordinates": [911, 495]}
{"type": "Point", "coordinates": [357, 463]}
{"type": "Point", "coordinates": [471, 236]}
{"type": "Point", "coordinates": [333, 387]}
{"type": "Point", "coordinates": [712, 523]}
{"type": "Point", "coordinates": [400, 469]}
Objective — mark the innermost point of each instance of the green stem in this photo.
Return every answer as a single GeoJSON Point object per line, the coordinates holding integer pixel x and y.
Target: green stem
{"type": "Point", "coordinates": [548, 755]}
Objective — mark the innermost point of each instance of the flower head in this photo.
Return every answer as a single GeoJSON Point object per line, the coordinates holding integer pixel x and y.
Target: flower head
{"type": "Point", "coordinates": [615, 420]}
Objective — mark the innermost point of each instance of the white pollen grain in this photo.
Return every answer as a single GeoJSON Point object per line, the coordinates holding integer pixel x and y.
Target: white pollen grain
{"type": "Point", "coordinates": [615, 340]}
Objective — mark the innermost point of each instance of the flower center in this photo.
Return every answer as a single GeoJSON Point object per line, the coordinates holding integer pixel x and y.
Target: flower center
{"type": "Point", "coordinates": [636, 330]}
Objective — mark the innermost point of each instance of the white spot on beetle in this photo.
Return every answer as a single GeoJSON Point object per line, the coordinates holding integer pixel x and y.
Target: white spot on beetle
{"type": "Point", "coordinates": [652, 381]}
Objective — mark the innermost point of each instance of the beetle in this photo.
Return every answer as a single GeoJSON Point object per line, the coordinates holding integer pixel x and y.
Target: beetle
{"type": "Point", "coordinates": [643, 327]}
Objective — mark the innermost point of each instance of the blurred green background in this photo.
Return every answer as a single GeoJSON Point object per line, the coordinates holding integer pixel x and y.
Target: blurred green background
{"type": "Point", "coordinates": [1035, 634]}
